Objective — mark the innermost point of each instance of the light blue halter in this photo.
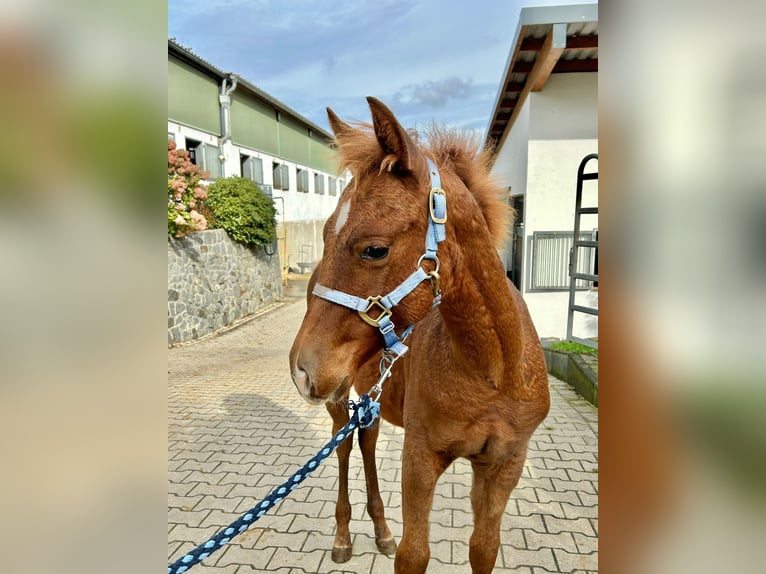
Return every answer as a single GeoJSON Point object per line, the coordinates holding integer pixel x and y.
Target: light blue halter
{"type": "Point", "coordinates": [395, 347]}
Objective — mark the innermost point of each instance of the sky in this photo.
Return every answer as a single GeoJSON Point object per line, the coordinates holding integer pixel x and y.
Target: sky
{"type": "Point", "coordinates": [428, 60]}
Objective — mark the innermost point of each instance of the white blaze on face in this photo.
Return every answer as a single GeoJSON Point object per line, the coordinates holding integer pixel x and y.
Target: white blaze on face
{"type": "Point", "coordinates": [342, 216]}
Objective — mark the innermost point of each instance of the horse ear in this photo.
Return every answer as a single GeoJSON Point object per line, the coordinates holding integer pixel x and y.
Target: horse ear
{"type": "Point", "coordinates": [394, 139]}
{"type": "Point", "coordinates": [339, 127]}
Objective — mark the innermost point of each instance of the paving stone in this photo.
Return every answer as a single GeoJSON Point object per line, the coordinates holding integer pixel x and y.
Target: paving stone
{"type": "Point", "coordinates": [515, 557]}
{"type": "Point", "coordinates": [563, 540]}
{"type": "Point", "coordinates": [585, 544]}
{"type": "Point", "coordinates": [237, 555]}
{"type": "Point", "coordinates": [184, 502]}
{"type": "Point", "coordinates": [574, 512]}
{"type": "Point", "coordinates": [568, 562]}
{"type": "Point", "coordinates": [587, 486]}
{"type": "Point", "coordinates": [553, 496]}
{"type": "Point", "coordinates": [555, 525]}
{"type": "Point", "coordinates": [308, 561]}
{"type": "Point", "coordinates": [358, 563]}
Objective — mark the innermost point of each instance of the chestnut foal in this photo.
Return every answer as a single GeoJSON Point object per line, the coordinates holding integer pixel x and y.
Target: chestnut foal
{"type": "Point", "coordinates": [474, 382]}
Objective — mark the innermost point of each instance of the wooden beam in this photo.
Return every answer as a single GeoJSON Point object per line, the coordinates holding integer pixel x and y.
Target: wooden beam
{"type": "Point", "coordinates": [531, 44]}
{"type": "Point", "coordinates": [537, 69]}
{"type": "Point", "coordinates": [548, 57]}
{"type": "Point", "coordinates": [522, 67]}
{"type": "Point", "coordinates": [565, 66]}
{"type": "Point", "coordinates": [498, 128]}
{"type": "Point", "coordinates": [514, 87]}
{"type": "Point", "coordinates": [573, 43]}
{"type": "Point", "coordinates": [582, 42]}
{"type": "Point", "coordinates": [507, 102]}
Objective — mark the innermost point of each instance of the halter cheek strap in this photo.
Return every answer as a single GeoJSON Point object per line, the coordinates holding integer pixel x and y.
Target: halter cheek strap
{"type": "Point", "coordinates": [376, 310]}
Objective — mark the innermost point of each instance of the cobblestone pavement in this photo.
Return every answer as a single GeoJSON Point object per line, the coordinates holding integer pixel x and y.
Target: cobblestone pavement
{"type": "Point", "coordinates": [237, 428]}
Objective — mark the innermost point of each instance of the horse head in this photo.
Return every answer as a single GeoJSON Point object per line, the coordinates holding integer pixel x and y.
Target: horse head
{"type": "Point", "coordinates": [373, 242]}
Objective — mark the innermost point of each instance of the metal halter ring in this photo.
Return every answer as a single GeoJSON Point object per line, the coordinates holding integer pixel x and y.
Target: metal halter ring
{"type": "Point", "coordinates": [433, 276]}
{"type": "Point", "coordinates": [435, 259]}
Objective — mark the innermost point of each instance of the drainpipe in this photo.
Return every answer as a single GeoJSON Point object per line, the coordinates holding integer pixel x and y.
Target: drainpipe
{"type": "Point", "coordinates": [224, 99]}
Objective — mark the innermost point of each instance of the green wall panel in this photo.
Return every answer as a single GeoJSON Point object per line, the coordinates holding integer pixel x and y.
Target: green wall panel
{"type": "Point", "coordinates": [192, 97]}
{"type": "Point", "coordinates": [254, 124]}
{"type": "Point", "coordinates": [322, 157]}
{"type": "Point", "coordinates": [293, 141]}
{"type": "Point", "coordinates": [193, 100]}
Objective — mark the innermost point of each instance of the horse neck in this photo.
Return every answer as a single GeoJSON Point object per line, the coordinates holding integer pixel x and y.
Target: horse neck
{"type": "Point", "coordinates": [478, 312]}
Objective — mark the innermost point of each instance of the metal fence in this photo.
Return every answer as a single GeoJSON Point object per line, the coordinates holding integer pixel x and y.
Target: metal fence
{"type": "Point", "coordinates": [550, 261]}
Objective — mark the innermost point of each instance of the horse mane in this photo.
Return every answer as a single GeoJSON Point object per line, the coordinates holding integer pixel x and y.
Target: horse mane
{"type": "Point", "coordinates": [470, 161]}
{"type": "Point", "coordinates": [458, 150]}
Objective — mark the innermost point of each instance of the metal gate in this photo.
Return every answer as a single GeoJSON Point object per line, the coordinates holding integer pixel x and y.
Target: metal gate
{"type": "Point", "coordinates": [574, 275]}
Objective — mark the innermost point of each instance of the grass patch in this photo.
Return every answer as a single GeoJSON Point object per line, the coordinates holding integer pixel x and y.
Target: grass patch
{"type": "Point", "coordinates": [571, 347]}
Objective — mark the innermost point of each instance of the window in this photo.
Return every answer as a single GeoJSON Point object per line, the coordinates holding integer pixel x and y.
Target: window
{"type": "Point", "coordinates": [341, 185]}
{"type": "Point", "coordinates": [191, 147]}
{"type": "Point", "coordinates": [550, 260]}
{"type": "Point", "coordinates": [319, 183]}
{"type": "Point", "coordinates": [252, 168]}
{"type": "Point", "coordinates": [281, 177]}
{"type": "Point", "coordinates": [205, 156]}
{"type": "Point", "coordinates": [332, 186]}
{"type": "Point", "coordinates": [303, 180]}
{"type": "Point", "coordinates": [171, 137]}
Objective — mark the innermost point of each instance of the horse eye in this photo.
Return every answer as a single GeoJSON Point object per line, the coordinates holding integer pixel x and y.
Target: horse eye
{"type": "Point", "coordinates": [374, 252]}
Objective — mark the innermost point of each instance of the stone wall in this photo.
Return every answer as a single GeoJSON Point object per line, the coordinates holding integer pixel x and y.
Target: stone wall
{"type": "Point", "coordinates": [213, 281]}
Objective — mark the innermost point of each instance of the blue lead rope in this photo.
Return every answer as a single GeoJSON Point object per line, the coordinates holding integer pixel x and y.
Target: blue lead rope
{"type": "Point", "coordinates": [365, 413]}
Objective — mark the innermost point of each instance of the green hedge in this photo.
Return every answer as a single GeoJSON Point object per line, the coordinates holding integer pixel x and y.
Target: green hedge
{"type": "Point", "coordinates": [242, 210]}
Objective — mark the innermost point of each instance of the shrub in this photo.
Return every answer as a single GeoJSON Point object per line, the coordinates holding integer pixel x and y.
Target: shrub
{"type": "Point", "coordinates": [243, 210]}
{"type": "Point", "coordinates": [185, 194]}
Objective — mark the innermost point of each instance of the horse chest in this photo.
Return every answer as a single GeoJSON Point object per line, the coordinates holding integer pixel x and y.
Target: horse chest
{"type": "Point", "coordinates": [481, 434]}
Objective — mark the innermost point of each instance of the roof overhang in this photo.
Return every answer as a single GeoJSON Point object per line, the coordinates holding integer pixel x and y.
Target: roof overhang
{"type": "Point", "coordinates": [548, 40]}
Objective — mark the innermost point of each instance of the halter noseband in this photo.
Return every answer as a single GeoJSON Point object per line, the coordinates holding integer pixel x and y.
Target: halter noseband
{"type": "Point", "coordinates": [395, 347]}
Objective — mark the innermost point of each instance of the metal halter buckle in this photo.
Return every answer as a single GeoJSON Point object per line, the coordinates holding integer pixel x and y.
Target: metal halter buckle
{"type": "Point", "coordinates": [374, 301]}
{"type": "Point", "coordinates": [436, 283]}
{"type": "Point", "coordinates": [434, 218]}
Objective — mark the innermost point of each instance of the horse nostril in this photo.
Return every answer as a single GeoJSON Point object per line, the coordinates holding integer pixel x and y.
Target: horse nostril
{"type": "Point", "coordinates": [301, 379]}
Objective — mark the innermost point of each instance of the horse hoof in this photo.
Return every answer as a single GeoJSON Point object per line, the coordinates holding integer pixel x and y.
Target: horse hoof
{"type": "Point", "coordinates": [341, 554]}
{"type": "Point", "coordinates": [387, 547]}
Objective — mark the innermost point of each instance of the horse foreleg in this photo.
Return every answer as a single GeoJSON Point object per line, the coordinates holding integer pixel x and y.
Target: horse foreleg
{"type": "Point", "coordinates": [341, 549]}
{"type": "Point", "coordinates": [421, 469]}
{"type": "Point", "coordinates": [368, 438]}
{"type": "Point", "coordinates": [492, 486]}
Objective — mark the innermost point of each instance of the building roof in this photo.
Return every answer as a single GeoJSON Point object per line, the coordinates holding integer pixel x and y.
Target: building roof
{"type": "Point", "coordinates": [548, 40]}
{"type": "Point", "coordinates": [187, 56]}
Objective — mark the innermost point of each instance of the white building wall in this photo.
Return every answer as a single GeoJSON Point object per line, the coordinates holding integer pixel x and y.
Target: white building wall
{"type": "Point", "coordinates": [565, 109]}
{"type": "Point", "coordinates": [555, 129]}
{"type": "Point", "coordinates": [298, 206]}
{"type": "Point", "coordinates": [550, 202]}
{"type": "Point", "coordinates": [510, 167]}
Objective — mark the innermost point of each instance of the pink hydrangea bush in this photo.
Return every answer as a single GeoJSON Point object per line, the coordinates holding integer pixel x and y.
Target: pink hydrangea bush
{"type": "Point", "coordinates": [185, 193]}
